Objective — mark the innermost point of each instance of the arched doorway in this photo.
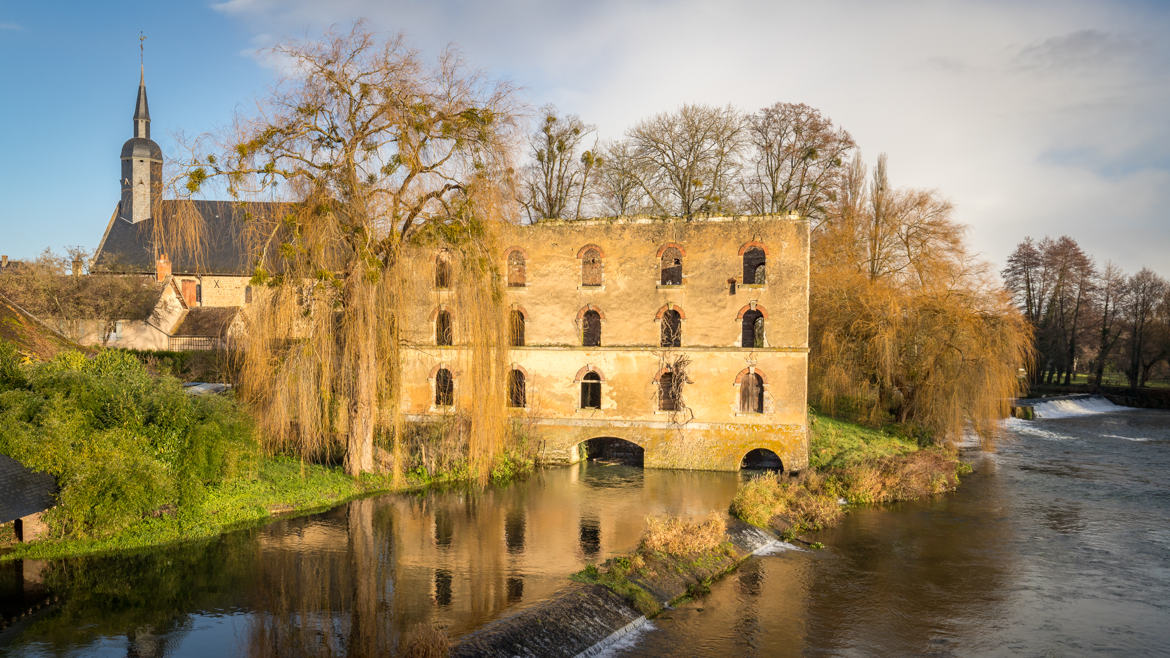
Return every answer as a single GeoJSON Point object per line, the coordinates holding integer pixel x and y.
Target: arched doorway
{"type": "Point", "coordinates": [612, 450]}
{"type": "Point", "coordinates": [761, 459]}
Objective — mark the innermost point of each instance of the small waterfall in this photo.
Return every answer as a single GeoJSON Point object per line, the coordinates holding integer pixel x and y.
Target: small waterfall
{"type": "Point", "coordinates": [1081, 405]}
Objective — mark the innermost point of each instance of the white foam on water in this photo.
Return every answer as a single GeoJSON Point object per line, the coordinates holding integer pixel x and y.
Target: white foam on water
{"type": "Point", "coordinates": [1127, 438]}
{"type": "Point", "coordinates": [1070, 408]}
{"type": "Point", "coordinates": [625, 638]}
{"type": "Point", "coordinates": [1032, 428]}
{"type": "Point", "coordinates": [775, 548]}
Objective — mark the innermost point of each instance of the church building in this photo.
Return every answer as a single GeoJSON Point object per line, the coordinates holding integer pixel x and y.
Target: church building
{"type": "Point", "coordinates": [683, 343]}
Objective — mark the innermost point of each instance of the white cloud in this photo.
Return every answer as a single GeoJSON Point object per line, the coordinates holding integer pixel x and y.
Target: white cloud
{"type": "Point", "coordinates": [1034, 118]}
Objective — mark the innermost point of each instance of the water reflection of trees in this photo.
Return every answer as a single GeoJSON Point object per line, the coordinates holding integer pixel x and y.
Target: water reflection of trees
{"type": "Point", "coordinates": [355, 580]}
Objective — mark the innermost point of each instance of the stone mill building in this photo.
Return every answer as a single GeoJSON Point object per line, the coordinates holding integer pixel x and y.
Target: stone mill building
{"type": "Point", "coordinates": [683, 342]}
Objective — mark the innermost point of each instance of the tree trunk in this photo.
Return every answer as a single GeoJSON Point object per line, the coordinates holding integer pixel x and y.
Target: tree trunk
{"type": "Point", "coordinates": [359, 445]}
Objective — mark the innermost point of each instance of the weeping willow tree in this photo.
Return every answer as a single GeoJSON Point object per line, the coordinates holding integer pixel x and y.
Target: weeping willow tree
{"type": "Point", "coordinates": [374, 153]}
{"type": "Point", "coordinates": [904, 324]}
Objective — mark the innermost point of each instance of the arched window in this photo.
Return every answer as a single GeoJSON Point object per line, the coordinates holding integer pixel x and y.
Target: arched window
{"type": "Point", "coordinates": [591, 267]}
{"type": "Point", "coordinates": [443, 270]}
{"type": "Point", "coordinates": [754, 272]}
{"type": "Point", "coordinates": [668, 392]}
{"type": "Point", "coordinates": [516, 394]}
{"type": "Point", "coordinates": [444, 388]}
{"type": "Point", "coordinates": [753, 329]}
{"type": "Point", "coordinates": [751, 394]}
{"type": "Point", "coordinates": [591, 329]}
{"type": "Point", "coordinates": [671, 267]}
{"type": "Point", "coordinates": [443, 331]}
{"type": "Point", "coordinates": [591, 391]}
{"type": "Point", "coordinates": [671, 329]}
{"type": "Point", "coordinates": [516, 328]}
{"type": "Point", "coordinates": [517, 272]}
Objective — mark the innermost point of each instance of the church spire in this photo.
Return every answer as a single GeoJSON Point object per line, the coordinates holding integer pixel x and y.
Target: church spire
{"type": "Point", "coordinates": [141, 109]}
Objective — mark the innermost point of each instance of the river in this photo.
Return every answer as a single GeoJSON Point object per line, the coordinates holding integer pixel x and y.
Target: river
{"type": "Point", "coordinates": [1058, 543]}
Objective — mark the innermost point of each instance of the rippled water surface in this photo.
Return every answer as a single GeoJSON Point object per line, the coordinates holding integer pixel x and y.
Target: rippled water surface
{"type": "Point", "coordinates": [1058, 544]}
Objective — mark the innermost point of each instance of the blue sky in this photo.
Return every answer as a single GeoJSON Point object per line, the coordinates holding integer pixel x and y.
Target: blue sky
{"type": "Point", "coordinates": [1043, 117]}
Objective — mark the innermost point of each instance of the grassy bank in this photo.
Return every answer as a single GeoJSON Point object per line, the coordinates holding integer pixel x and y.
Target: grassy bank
{"type": "Point", "coordinates": [674, 559]}
{"type": "Point", "coordinates": [139, 462]}
{"type": "Point", "coordinates": [850, 463]}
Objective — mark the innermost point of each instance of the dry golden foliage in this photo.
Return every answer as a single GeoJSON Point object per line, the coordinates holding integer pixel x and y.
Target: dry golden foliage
{"type": "Point", "coordinates": [378, 155]}
{"type": "Point", "coordinates": [681, 538]}
{"type": "Point", "coordinates": [425, 641]}
{"type": "Point", "coordinates": [903, 325]}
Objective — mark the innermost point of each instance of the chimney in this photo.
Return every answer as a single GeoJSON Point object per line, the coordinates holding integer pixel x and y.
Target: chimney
{"type": "Point", "coordinates": [163, 267]}
{"type": "Point", "coordinates": [4, 260]}
{"type": "Point", "coordinates": [76, 267]}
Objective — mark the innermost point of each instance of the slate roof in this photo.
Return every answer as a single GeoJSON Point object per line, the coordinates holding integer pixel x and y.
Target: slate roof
{"type": "Point", "coordinates": [210, 321]}
{"type": "Point", "coordinates": [25, 491]}
{"type": "Point", "coordinates": [227, 226]}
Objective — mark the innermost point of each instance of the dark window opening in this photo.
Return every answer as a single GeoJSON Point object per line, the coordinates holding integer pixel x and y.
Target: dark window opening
{"type": "Point", "coordinates": [247, 294]}
{"type": "Point", "coordinates": [671, 267]}
{"type": "Point", "coordinates": [514, 526]}
{"type": "Point", "coordinates": [516, 329]}
{"type": "Point", "coordinates": [671, 329]}
{"type": "Point", "coordinates": [516, 394]}
{"type": "Point", "coordinates": [668, 393]}
{"type": "Point", "coordinates": [515, 588]}
{"type": "Point", "coordinates": [753, 329]}
{"type": "Point", "coordinates": [443, 587]}
{"type": "Point", "coordinates": [589, 536]}
{"type": "Point", "coordinates": [753, 266]}
{"type": "Point", "coordinates": [614, 451]}
{"type": "Point", "coordinates": [444, 388]}
{"type": "Point", "coordinates": [198, 293]}
{"type": "Point", "coordinates": [591, 391]}
{"type": "Point", "coordinates": [762, 458]}
{"type": "Point", "coordinates": [591, 329]}
{"type": "Point", "coordinates": [442, 272]}
{"type": "Point", "coordinates": [443, 331]}
{"type": "Point", "coordinates": [591, 268]}
{"type": "Point", "coordinates": [751, 394]}
{"type": "Point", "coordinates": [517, 274]}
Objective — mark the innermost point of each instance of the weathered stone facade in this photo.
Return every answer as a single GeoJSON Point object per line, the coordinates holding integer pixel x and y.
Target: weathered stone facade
{"type": "Point", "coordinates": [557, 263]}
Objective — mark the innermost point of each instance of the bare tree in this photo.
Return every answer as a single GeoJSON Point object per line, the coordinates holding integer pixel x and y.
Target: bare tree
{"type": "Point", "coordinates": [1110, 294]}
{"type": "Point", "coordinates": [58, 291]}
{"type": "Point", "coordinates": [687, 161]}
{"type": "Point", "coordinates": [1145, 311]}
{"type": "Point", "coordinates": [796, 159]}
{"type": "Point", "coordinates": [558, 172]}
{"type": "Point", "coordinates": [618, 182]}
{"type": "Point", "coordinates": [377, 151]}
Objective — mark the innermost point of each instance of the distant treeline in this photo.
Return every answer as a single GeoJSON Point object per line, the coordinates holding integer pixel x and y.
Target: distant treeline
{"type": "Point", "coordinates": [1089, 319]}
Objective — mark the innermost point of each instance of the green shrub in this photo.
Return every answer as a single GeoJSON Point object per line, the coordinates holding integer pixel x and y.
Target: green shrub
{"type": "Point", "coordinates": [123, 443]}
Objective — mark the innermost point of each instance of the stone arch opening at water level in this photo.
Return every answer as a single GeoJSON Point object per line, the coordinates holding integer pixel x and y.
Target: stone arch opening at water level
{"type": "Point", "coordinates": [762, 459]}
{"type": "Point", "coordinates": [612, 450]}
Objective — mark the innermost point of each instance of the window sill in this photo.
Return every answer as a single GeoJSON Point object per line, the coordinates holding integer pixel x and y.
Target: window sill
{"type": "Point", "coordinates": [670, 286]}
{"type": "Point", "coordinates": [441, 409]}
{"type": "Point", "coordinates": [753, 286]}
{"type": "Point", "coordinates": [600, 288]}
{"type": "Point", "coordinates": [517, 288]}
{"type": "Point", "coordinates": [749, 414]}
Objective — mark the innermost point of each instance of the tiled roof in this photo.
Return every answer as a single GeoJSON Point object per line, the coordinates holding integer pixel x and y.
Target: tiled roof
{"type": "Point", "coordinates": [129, 248]}
{"type": "Point", "coordinates": [208, 321]}
{"type": "Point", "coordinates": [24, 491]}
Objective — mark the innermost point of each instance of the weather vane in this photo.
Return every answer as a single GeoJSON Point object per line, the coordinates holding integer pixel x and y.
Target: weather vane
{"type": "Point", "coordinates": [141, 39]}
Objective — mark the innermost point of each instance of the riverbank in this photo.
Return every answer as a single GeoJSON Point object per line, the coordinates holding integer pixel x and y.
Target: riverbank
{"type": "Point", "coordinates": [283, 487]}
{"type": "Point", "coordinates": [848, 464]}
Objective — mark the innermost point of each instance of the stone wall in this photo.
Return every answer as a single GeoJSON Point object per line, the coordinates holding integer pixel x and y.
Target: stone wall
{"type": "Point", "coordinates": [712, 432]}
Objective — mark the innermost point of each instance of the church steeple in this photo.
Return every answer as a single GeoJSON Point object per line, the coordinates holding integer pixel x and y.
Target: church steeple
{"type": "Point", "coordinates": [141, 109]}
{"type": "Point", "coordinates": [141, 163]}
